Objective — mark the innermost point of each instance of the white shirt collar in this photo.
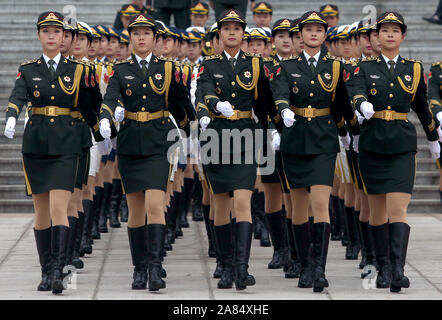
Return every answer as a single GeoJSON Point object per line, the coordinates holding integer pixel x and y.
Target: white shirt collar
{"type": "Point", "coordinates": [316, 56]}
{"type": "Point", "coordinates": [56, 59]}
{"type": "Point", "coordinates": [147, 59]}
{"type": "Point", "coordinates": [386, 60]}
{"type": "Point", "coordinates": [229, 56]}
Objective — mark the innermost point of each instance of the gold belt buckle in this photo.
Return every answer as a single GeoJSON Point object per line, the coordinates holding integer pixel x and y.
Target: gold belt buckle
{"type": "Point", "coordinates": [234, 116]}
{"type": "Point", "coordinates": [142, 116]}
{"type": "Point", "coordinates": [388, 115]}
{"type": "Point", "coordinates": [51, 111]}
{"type": "Point", "coordinates": [309, 112]}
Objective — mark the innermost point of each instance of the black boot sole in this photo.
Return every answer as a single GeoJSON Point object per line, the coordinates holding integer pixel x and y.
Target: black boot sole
{"type": "Point", "coordinates": [157, 285]}
{"type": "Point", "coordinates": [265, 243]}
{"type": "Point", "coordinates": [320, 284]}
{"type": "Point", "coordinates": [77, 263]}
{"type": "Point", "coordinates": [57, 287]}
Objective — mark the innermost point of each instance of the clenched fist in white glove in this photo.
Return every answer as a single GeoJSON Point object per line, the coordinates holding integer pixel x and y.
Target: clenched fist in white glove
{"type": "Point", "coordinates": [114, 143]}
{"type": "Point", "coordinates": [276, 140]}
{"type": "Point", "coordinates": [367, 110]}
{"type": "Point", "coordinates": [360, 117]}
{"type": "Point", "coordinates": [105, 146]}
{"type": "Point", "coordinates": [288, 116]}
{"type": "Point", "coordinates": [346, 141]}
{"type": "Point", "coordinates": [225, 108]}
{"type": "Point", "coordinates": [204, 122]}
{"type": "Point", "coordinates": [119, 114]}
{"type": "Point", "coordinates": [439, 131]}
{"type": "Point", "coordinates": [356, 144]}
{"type": "Point", "coordinates": [434, 149]}
{"type": "Point", "coordinates": [105, 129]}
{"type": "Point", "coordinates": [10, 127]}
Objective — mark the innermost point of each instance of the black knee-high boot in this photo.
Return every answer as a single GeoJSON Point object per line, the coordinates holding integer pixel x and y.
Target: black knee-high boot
{"type": "Point", "coordinates": [104, 210]}
{"type": "Point", "coordinates": [320, 250]}
{"type": "Point", "coordinates": [367, 248]}
{"type": "Point", "coordinates": [43, 241]}
{"type": "Point", "coordinates": [98, 201]}
{"type": "Point", "coordinates": [345, 239]}
{"type": "Point", "coordinates": [352, 250]}
{"type": "Point", "coordinates": [115, 202]}
{"type": "Point", "coordinates": [255, 216]}
{"type": "Point", "coordinates": [124, 209]}
{"type": "Point", "coordinates": [138, 250]}
{"type": "Point", "coordinates": [59, 239]}
{"type": "Point", "coordinates": [171, 220]}
{"type": "Point", "coordinates": [294, 270]}
{"type": "Point", "coordinates": [399, 234]}
{"type": "Point", "coordinates": [197, 214]}
{"type": "Point", "coordinates": [218, 269]}
{"type": "Point", "coordinates": [73, 223]}
{"type": "Point", "coordinates": [382, 252]}
{"type": "Point", "coordinates": [223, 236]}
{"type": "Point", "coordinates": [188, 190]}
{"type": "Point", "coordinates": [206, 214]}
{"type": "Point", "coordinates": [264, 237]}
{"type": "Point", "coordinates": [336, 229]}
{"type": "Point", "coordinates": [155, 244]}
{"type": "Point", "coordinates": [303, 248]}
{"type": "Point", "coordinates": [76, 261]}
{"type": "Point", "coordinates": [86, 237]}
{"type": "Point", "coordinates": [243, 237]}
{"type": "Point", "coordinates": [277, 227]}
{"type": "Point", "coordinates": [179, 209]}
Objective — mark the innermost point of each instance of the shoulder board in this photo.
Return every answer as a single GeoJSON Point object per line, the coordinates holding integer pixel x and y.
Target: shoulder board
{"type": "Point", "coordinates": [165, 59]}
{"type": "Point", "coordinates": [369, 59]}
{"type": "Point", "coordinates": [247, 54]}
{"type": "Point", "coordinates": [328, 56]}
{"type": "Point", "coordinates": [413, 60]}
{"type": "Point", "coordinates": [124, 61]}
{"type": "Point", "coordinates": [215, 56]}
{"type": "Point", "coordinates": [291, 58]}
{"type": "Point", "coordinates": [439, 63]}
{"type": "Point", "coordinates": [179, 64]}
{"type": "Point", "coordinates": [28, 62]}
{"type": "Point", "coordinates": [268, 59]}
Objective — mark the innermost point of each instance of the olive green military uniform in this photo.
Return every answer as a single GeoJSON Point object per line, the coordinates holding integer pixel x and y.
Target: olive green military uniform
{"type": "Point", "coordinates": [320, 103]}
{"type": "Point", "coordinates": [435, 92]}
{"type": "Point", "coordinates": [52, 140]}
{"type": "Point", "coordinates": [388, 143]}
{"type": "Point", "coordinates": [143, 145]}
{"type": "Point", "coordinates": [242, 86]}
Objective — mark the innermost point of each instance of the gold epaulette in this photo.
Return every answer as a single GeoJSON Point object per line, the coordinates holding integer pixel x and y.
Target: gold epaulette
{"type": "Point", "coordinates": [215, 56]}
{"type": "Point", "coordinates": [248, 54]}
{"type": "Point", "coordinates": [268, 59]}
{"type": "Point", "coordinates": [124, 61]}
{"type": "Point", "coordinates": [413, 60]}
{"type": "Point", "coordinates": [366, 59]}
{"type": "Point", "coordinates": [329, 56]}
{"type": "Point", "coordinates": [28, 62]}
{"type": "Point", "coordinates": [439, 63]}
{"type": "Point", "coordinates": [83, 62]}
{"type": "Point", "coordinates": [165, 59]}
{"type": "Point", "coordinates": [291, 58]}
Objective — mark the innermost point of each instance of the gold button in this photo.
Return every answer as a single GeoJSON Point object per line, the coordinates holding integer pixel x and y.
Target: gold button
{"type": "Point", "coordinates": [312, 82]}
{"type": "Point", "coordinates": [143, 108]}
{"type": "Point", "coordinates": [144, 97]}
{"type": "Point", "coordinates": [388, 107]}
{"type": "Point", "coordinates": [309, 107]}
{"type": "Point", "coordinates": [52, 98]}
{"type": "Point", "coordinates": [329, 122]}
{"type": "Point", "coordinates": [162, 122]}
{"type": "Point", "coordinates": [233, 107]}
{"type": "Point", "coordinates": [309, 119]}
{"type": "Point", "coordinates": [391, 84]}
{"type": "Point", "coordinates": [390, 95]}
{"type": "Point", "coordinates": [52, 86]}
{"type": "Point", "coordinates": [52, 120]}
{"type": "Point", "coordinates": [128, 85]}
{"type": "Point", "coordinates": [233, 83]}
{"type": "Point", "coordinates": [144, 85]}
{"type": "Point", "coordinates": [123, 122]}
{"type": "Point", "coordinates": [233, 95]}
{"type": "Point", "coordinates": [373, 84]}
{"type": "Point", "coordinates": [168, 120]}
{"type": "Point", "coordinates": [311, 94]}
{"type": "Point", "coordinates": [30, 122]}
{"type": "Point", "coordinates": [217, 83]}
{"type": "Point", "coordinates": [36, 86]}
{"type": "Point", "coordinates": [406, 120]}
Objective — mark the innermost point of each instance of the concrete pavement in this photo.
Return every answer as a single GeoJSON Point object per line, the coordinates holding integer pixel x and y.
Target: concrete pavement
{"type": "Point", "coordinates": [108, 271]}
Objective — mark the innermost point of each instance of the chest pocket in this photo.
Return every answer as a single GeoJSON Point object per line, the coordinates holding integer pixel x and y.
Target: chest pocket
{"type": "Point", "coordinates": [130, 85]}
{"type": "Point", "coordinates": [329, 85]}
{"type": "Point", "coordinates": [410, 87]}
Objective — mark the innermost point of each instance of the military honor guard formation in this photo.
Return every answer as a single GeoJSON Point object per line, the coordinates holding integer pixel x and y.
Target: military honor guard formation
{"type": "Point", "coordinates": [329, 103]}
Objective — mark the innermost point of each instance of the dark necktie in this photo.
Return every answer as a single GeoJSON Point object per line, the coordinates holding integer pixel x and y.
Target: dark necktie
{"type": "Point", "coordinates": [391, 63]}
{"type": "Point", "coordinates": [51, 68]}
{"type": "Point", "coordinates": [232, 62]}
{"type": "Point", "coordinates": [144, 67]}
{"type": "Point", "coordinates": [312, 64]}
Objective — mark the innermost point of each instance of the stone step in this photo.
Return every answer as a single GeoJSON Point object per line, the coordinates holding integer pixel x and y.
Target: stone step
{"type": "Point", "coordinates": [425, 206]}
{"type": "Point", "coordinates": [427, 178]}
{"type": "Point", "coordinates": [424, 192]}
{"type": "Point", "coordinates": [13, 191]}
{"type": "Point", "coordinates": [10, 150]}
{"type": "Point", "coordinates": [12, 177]}
{"type": "Point", "coordinates": [16, 205]}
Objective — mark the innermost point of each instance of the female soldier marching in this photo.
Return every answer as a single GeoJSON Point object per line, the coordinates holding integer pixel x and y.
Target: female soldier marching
{"type": "Point", "coordinates": [57, 88]}
{"type": "Point", "coordinates": [310, 86]}
{"type": "Point", "coordinates": [230, 85]}
{"type": "Point", "coordinates": [385, 88]}
{"type": "Point", "coordinates": [145, 84]}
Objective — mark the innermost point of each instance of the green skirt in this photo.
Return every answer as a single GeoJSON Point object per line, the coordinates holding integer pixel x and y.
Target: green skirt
{"type": "Point", "coordinates": [281, 174]}
{"type": "Point", "coordinates": [140, 173]}
{"type": "Point", "coordinates": [385, 173]}
{"type": "Point", "coordinates": [304, 171]}
{"type": "Point", "coordinates": [44, 173]}
{"type": "Point", "coordinates": [83, 169]}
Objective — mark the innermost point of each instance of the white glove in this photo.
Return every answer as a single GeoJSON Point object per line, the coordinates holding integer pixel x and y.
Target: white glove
{"type": "Point", "coordinates": [225, 108]}
{"type": "Point", "coordinates": [204, 122]}
{"type": "Point", "coordinates": [346, 141]}
{"type": "Point", "coordinates": [10, 127]}
{"type": "Point", "coordinates": [439, 131]}
{"type": "Point", "coordinates": [439, 116]}
{"type": "Point", "coordinates": [360, 117]}
{"type": "Point", "coordinates": [276, 140]}
{"type": "Point", "coordinates": [105, 129]}
{"type": "Point", "coordinates": [356, 143]}
{"type": "Point", "coordinates": [367, 109]}
{"type": "Point", "coordinates": [114, 143]}
{"type": "Point", "coordinates": [105, 146]}
{"type": "Point", "coordinates": [119, 114]}
{"type": "Point", "coordinates": [434, 149]}
{"type": "Point", "coordinates": [288, 117]}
